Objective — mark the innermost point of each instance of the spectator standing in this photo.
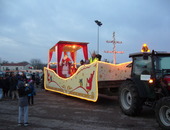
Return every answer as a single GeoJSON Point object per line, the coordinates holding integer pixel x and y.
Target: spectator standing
{"type": "Point", "coordinates": [24, 77]}
{"type": "Point", "coordinates": [33, 77]}
{"type": "Point", "coordinates": [42, 81]}
{"type": "Point", "coordinates": [23, 91]}
{"type": "Point", "coordinates": [1, 87]}
{"type": "Point", "coordinates": [37, 80]}
{"type": "Point", "coordinates": [6, 85]}
{"type": "Point", "coordinates": [13, 86]}
{"type": "Point", "coordinates": [31, 95]}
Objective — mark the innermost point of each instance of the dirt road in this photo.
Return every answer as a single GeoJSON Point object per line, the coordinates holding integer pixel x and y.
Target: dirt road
{"type": "Point", "coordinates": [60, 112]}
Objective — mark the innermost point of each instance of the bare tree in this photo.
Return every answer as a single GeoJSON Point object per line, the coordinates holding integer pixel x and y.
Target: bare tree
{"type": "Point", "coordinates": [36, 63]}
{"type": "Point", "coordinates": [3, 61]}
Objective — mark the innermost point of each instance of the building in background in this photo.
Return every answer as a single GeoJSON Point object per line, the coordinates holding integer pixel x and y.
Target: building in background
{"type": "Point", "coordinates": [22, 66]}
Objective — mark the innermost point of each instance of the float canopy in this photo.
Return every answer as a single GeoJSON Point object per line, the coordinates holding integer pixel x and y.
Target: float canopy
{"type": "Point", "coordinates": [68, 46]}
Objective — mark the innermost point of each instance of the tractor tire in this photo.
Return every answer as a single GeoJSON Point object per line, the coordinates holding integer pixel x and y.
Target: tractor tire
{"type": "Point", "coordinates": [162, 112]}
{"type": "Point", "coordinates": [129, 99]}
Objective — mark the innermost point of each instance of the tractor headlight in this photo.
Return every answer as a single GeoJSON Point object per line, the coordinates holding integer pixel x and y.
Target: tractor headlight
{"type": "Point", "coordinates": [150, 81]}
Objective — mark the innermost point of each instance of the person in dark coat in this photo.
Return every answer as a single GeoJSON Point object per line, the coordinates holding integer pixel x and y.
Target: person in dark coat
{"type": "Point", "coordinates": [23, 91]}
{"type": "Point", "coordinates": [6, 86]}
{"type": "Point", "coordinates": [13, 86]}
{"type": "Point", "coordinates": [42, 81]}
{"type": "Point", "coordinates": [31, 95]}
{"type": "Point", "coordinates": [1, 87]}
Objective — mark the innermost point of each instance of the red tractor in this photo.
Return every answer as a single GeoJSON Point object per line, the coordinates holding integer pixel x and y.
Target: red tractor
{"type": "Point", "coordinates": [149, 84]}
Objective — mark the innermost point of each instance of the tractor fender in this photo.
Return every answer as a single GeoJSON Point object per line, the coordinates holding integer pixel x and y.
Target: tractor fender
{"type": "Point", "coordinates": [142, 91]}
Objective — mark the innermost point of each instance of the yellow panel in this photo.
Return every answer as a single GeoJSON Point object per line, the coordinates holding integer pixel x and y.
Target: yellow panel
{"type": "Point", "coordinates": [83, 84]}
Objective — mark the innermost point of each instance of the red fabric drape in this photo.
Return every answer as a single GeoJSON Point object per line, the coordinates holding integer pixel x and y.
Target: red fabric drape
{"type": "Point", "coordinates": [59, 51]}
{"type": "Point", "coordinates": [72, 56]}
{"type": "Point", "coordinates": [50, 56]}
{"type": "Point", "coordinates": [85, 51]}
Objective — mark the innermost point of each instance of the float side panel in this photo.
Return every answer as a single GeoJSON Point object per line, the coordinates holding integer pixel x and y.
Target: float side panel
{"type": "Point", "coordinates": [83, 84]}
{"type": "Point", "coordinates": [108, 71]}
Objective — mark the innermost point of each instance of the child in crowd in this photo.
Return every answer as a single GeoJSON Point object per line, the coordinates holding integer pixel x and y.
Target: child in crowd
{"type": "Point", "coordinates": [31, 95]}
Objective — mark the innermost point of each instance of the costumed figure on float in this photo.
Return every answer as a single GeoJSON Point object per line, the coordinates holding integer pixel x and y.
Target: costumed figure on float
{"type": "Point", "coordinates": [66, 64]}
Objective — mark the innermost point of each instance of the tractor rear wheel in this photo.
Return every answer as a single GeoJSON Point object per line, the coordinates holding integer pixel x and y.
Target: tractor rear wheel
{"type": "Point", "coordinates": [129, 99]}
{"type": "Point", "coordinates": [162, 112]}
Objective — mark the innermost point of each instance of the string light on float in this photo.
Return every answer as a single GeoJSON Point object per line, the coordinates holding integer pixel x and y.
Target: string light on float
{"type": "Point", "coordinates": [145, 48]}
{"type": "Point", "coordinates": [74, 46]}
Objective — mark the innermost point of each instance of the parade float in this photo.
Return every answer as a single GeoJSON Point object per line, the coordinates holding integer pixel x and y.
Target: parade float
{"type": "Point", "coordinates": [86, 80]}
{"type": "Point", "coordinates": [144, 81]}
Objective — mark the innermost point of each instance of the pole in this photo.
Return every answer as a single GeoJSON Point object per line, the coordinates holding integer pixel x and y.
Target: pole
{"type": "Point", "coordinates": [99, 24]}
{"type": "Point", "coordinates": [98, 40]}
{"type": "Point", "coordinates": [114, 49]}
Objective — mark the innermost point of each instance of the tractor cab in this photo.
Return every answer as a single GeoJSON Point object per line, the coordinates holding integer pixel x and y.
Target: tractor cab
{"type": "Point", "coordinates": [149, 85]}
{"type": "Point", "coordinates": [150, 69]}
{"type": "Point", "coordinates": [65, 64]}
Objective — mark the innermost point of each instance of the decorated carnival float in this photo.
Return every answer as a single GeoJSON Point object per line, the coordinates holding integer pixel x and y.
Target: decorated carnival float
{"type": "Point", "coordinates": [86, 80]}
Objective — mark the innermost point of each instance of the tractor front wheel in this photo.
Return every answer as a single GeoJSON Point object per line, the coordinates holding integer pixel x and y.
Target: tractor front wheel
{"type": "Point", "coordinates": [130, 102]}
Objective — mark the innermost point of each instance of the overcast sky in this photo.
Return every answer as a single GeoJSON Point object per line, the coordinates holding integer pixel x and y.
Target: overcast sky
{"type": "Point", "coordinates": [29, 28]}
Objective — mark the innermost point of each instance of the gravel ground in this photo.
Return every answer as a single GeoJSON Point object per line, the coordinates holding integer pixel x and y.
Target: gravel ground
{"type": "Point", "coordinates": [53, 111]}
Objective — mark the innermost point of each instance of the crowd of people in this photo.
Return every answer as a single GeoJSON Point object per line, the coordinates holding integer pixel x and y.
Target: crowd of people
{"type": "Point", "coordinates": [9, 84]}
{"type": "Point", "coordinates": [18, 86]}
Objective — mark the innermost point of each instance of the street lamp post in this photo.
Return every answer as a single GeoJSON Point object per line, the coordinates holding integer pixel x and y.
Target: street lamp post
{"type": "Point", "coordinates": [99, 24]}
